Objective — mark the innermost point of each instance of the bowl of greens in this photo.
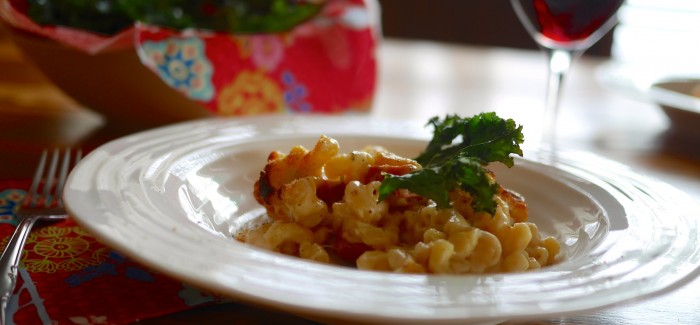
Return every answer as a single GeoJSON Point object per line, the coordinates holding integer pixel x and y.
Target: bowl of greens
{"type": "Point", "coordinates": [110, 17]}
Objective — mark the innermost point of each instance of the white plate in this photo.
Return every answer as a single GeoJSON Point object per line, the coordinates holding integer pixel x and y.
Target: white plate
{"type": "Point", "coordinates": [172, 197]}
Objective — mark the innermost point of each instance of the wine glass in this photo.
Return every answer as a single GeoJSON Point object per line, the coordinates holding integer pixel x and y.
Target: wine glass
{"type": "Point", "coordinates": [564, 29]}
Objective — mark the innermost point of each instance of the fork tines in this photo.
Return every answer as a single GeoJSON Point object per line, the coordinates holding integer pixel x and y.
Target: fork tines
{"type": "Point", "coordinates": [47, 182]}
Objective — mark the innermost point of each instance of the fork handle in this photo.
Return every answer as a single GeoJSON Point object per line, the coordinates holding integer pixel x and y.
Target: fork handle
{"type": "Point", "coordinates": [9, 263]}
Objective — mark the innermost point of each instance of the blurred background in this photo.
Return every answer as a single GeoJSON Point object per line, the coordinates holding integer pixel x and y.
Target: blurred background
{"type": "Point", "coordinates": [488, 23]}
{"type": "Point", "coordinates": [658, 35]}
{"type": "Point", "coordinates": [25, 94]}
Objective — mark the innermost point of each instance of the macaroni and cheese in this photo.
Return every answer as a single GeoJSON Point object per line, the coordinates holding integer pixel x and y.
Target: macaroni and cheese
{"type": "Point", "coordinates": [324, 206]}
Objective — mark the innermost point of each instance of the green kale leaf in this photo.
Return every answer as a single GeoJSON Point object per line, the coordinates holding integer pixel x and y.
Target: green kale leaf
{"type": "Point", "coordinates": [456, 158]}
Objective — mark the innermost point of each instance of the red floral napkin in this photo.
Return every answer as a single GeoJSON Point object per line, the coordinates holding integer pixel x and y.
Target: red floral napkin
{"type": "Point", "coordinates": [68, 277]}
{"type": "Point", "coordinates": [325, 65]}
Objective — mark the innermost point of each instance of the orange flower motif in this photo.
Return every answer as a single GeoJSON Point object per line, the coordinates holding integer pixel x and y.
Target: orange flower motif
{"type": "Point", "coordinates": [53, 232]}
{"type": "Point", "coordinates": [101, 253]}
{"type": "Point", "coordinates": [53, 249]}
{"type": "Point", "coordinates": [61, 247]}
{"type": "Point", "coordinates": [251, 93]}
{"type": "Point", "coordinates": [76, 264]}
{"type": "Point", "coordinates": [80, 231]}
{"type": "Point", "coordinates": [43, 266]}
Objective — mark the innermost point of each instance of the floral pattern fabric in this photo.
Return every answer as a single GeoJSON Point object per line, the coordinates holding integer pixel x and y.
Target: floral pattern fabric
{"type": "Point", "coordinates": [67, 277]}
{"type": "Point", "coordinates": [325, 65]}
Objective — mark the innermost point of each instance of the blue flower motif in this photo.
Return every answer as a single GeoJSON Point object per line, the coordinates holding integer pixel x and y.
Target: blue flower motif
{"type": "Point", "coordinates": [108, 267]}
{"type": "Point", "coordinates": [138, 274]}
{"type": "Point", "coordinates": [10, 200]}
{"type": "Point", "coordinates": [295, 93]}
{"type": "Point", "coordinates": [182, 64]}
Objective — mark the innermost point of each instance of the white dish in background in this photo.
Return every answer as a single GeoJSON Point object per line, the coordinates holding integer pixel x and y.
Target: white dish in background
{"type": "Point", "coordinates": [679, 98]}
{"type": "Point", "coordinates": [636, 79]}
{"type": "Point", "coordinates": [676, 91]}
{"type": "Point", "coordinates": [172, 197]}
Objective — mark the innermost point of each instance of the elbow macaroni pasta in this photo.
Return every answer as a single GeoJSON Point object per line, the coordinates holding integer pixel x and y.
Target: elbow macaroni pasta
{"type": "Point", "coordinates": [324, 207]}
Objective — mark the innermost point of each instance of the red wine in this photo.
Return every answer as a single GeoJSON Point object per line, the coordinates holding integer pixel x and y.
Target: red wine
{"type": "Point", "coordinates": [567, 20]}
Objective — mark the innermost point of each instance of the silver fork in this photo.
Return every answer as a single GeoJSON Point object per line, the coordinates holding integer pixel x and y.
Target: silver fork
{"type": "Point", "coordinates": [43, 202]}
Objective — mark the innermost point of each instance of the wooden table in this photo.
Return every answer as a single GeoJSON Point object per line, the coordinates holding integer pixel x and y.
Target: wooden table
{"type": "Point", "coordinates": [418, 80]}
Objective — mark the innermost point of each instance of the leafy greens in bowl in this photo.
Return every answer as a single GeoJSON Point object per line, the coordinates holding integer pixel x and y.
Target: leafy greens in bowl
{"type": "Point", "coordinates": [233, 16]}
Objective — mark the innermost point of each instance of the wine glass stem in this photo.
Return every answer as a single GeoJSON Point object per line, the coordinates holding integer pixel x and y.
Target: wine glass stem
{"type": "Point", "coordinates": [559, 65]}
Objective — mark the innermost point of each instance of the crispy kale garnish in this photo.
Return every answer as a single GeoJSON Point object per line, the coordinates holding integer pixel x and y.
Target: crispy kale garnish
{"type": "Point", "coordinates": [456, 158]}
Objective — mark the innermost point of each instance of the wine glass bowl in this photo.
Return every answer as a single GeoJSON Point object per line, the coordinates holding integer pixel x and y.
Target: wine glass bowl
{"type": "Point", "coordinates": [564, 29]}
{"type": "Point", "coordinates": [570, 24]}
